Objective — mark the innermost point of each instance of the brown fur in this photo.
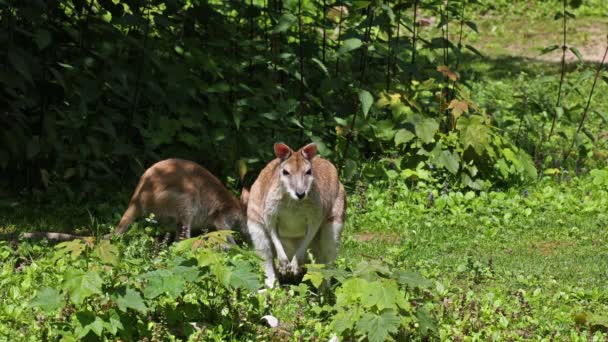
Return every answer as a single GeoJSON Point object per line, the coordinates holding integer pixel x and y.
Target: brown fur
{"type": "Point", "coordinates": [187, 194]}
{"type": "Point", "coordinates": [175, 189]}
{"type": "Point", "coordinates": [289, 212]}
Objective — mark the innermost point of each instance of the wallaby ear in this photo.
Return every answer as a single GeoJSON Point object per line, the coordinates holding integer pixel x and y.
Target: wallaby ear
{"type": "Point", "coordinates": [309, 151]}
{"type": "Point", "coordinates": [244, 196]}
{"type": "Point", "coordinates": [282, 151]}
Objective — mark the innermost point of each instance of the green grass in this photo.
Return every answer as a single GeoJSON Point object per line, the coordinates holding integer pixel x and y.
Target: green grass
{"type": "Point", "coordinates": [550, 243]}
{"type": "Point", "coordinates": [525, 263]}
{"type": "Point", "coordinates": [504, 265]}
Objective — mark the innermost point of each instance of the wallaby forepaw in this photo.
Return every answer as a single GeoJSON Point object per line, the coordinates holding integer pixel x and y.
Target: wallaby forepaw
{"type": "Point", "coordinates": [284, 267]}
{"type": "Point", "coordinates": [294, 267]}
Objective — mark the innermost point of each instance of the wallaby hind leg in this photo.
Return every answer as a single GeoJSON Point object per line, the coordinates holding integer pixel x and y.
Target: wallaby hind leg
{"type": "Point", "coordinates": [184, 227]}
{"type": "Point", "coordinates": [327, 242]}
{"type": "Point", "coordinates": [183, 232]}
{"type": "Point", "coordinates": [263, 247]}
{"type": "Point", "coordinates": [223, 224]}
{"type": "Point", "coordinates": [128, 217]}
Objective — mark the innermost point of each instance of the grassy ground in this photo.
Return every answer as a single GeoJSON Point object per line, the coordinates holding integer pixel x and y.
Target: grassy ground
{"type": "Point", "coordinates": [546, 244]}
{"type": "Point", "coordinates": [526, 263]}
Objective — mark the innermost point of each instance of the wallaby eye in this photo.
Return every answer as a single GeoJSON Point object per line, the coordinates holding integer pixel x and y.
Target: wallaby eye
{"type": "Point", "coordinates": [285, 173]}
{"type": "Point", "coordinates": [309, 172]}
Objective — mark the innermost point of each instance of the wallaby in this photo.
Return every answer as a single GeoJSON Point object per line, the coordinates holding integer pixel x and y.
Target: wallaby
{"type": "Point", "coordinates": [189, 195]}
{"type": "Point", "coordinates": [296, 202]}
{"type": "Point", "coordinates": [183, 192]}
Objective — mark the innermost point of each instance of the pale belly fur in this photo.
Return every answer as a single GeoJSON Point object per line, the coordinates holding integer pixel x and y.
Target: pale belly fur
{"type": "Point", "coordinates": [293, 220]}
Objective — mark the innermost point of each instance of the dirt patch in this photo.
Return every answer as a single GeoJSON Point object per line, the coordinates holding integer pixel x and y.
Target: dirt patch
{"type": "Point", "coordinates": [547, 248]}
{"type": "Point", "coordinates": [377, 237]}
{"type": "Point", "coordinates": [526, 36]}
{"type": "Point", "coordinates": [592, 47]}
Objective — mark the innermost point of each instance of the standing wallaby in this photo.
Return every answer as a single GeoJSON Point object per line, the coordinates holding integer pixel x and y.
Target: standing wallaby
{"type": "Point", "coordinates": [189, 195]}
{"type": "Point", "coordinates": [296, 202]}
{"type": "Point", "coordinates": [181, 191]}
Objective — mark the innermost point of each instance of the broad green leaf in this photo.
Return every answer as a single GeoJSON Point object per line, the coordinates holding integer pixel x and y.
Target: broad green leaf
{"type": "Point", "coordinates": [74, 248]}
{"type": "Point", "coordinates": [163, 281]}
{"type": "Point", "coordinates": [553, 171]}
{"type": "Point", "coordinates": [320, 65]}
{"type": "Point", "coordinates": [474, 50]}
{"type": "Point", "coordinates": [529, 169]}
{"type": "Point", "coordinates": [425, 322]}
{"type": "Point", "coordinates": [403, 136]}
{"type": "Point", "coordinates": [474, 133]}
{"type": "Point", "coordinates": [385, 130]}
{"type": "Point", "coordinates": [359, 4]}
{"type": "Point", "coordinates": [81, 285]}
{"type": "Point", "coordinates": [503, 168]}
{"type": "Point", "coordinates": [242, 276]}
{"type": "Point", "coordinates": [382, 294]}
{"type": "Point", "coordinates": [472, 25]}
{"type": "Point", "coordinates": [66, 66]}
{"type": "Point", "coordinates": [412, 279]}
{"type": "Point", "coordinates": [316, 278]}
{"type": "Point", "coordinates": [559, 111]}
{"type": "Point", "coordinates": [369, 269]}
{"type": "Point", "coordinates": [106, 252]}
{"type": "Point", "coordinates": [47, 299]}
{"type": "Point", "coordinates": [450, 160]}
{"type": "Point", "coordinates": [42, 38]}
{"type": "Point", "coordinates": [366, 99]}
{"type": "Point", "coordinates": [345, 319]}
{"type": "Point", "coordinates": [549, 49]}
{"type": "Point", "coordinates": [378, 327]}
{"type": "Point", "coordinates": [19, 64]}
{"type": "Point", "coordinates": [350, 45]}
{"type": "Point", "coordinates": [350, 169]}
{"type": "Point", "coordinates": [577, 53]}
{"type": "Point", "coordinates": [426, 129]}
{"type": "Point", "coordinates": [88, 321]}
{"type": "Point", "coordinates": [285, 22]}
{"type": "Point", "coordinates": [113, 324]}
{"type": "Point", "coordinates": [131, 299]}
{"type": "Point", "coordinates": [97, 326]}
{"type": "Point", "coordinates": [350, 291]}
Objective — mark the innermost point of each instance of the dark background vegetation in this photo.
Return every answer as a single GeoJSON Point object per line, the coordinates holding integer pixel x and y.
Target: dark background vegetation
{"type": "Point", "coordinates": [460, 128]}
{"type": "Point", "coordinates": [93, 92]}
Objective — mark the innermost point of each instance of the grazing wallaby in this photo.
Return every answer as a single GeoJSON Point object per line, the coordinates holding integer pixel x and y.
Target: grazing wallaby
{"type": "Point", "coordinates": [186, 193]}
{"type": "Point", "coordinates": [183, 192]}
{"type": "Point", "coordinates": [296, 202]}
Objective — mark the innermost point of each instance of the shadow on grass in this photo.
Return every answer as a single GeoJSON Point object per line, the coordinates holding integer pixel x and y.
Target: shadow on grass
{"type": "Point", "coordinates": [58, 214]}
{"type": "Point", "coordinates": [475, 68]}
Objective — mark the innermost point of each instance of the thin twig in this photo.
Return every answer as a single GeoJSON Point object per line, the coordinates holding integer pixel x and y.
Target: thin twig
{"type": "Point", "coordinates": [301, 53]}
{"type": "Point", "coordinates": [561, 79]}
{"type": "Point", "coordinates": [414, 33]}
{"type": "Point", "coordinates": [143, 62]}
{"type": "Point", "coordinates": [389, 58]}
{"type": "Point", "coordinates": [580, 125]}
{"type": "Point", "coordinates": [324, 32]}
{"type": "Point", "coordinates": [339, 37]}
{"type": "Point", "coordinates": [397, 38]}
{"type": "Point", "coordinates": [363, 68]}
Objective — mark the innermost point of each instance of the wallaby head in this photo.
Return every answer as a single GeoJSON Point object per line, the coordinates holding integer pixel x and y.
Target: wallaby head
{"type": "Point", "coordinates": [295, 171]}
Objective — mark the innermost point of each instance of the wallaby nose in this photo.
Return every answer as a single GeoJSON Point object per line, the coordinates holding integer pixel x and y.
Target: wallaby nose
{"type": "Point", "coordinates": [300, 195]}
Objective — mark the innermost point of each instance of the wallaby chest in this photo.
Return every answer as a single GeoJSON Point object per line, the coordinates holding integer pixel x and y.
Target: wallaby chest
{"type": "Point", "coordinates": [292, 218]}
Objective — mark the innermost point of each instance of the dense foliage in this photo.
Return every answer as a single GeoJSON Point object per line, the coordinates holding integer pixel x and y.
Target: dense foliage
{"type": "Point", "coordinates": [428, 131]}
{"type": "Point", "coordinates": [92, 90]}
{"type": "Point", "coordinates": [522, 264]}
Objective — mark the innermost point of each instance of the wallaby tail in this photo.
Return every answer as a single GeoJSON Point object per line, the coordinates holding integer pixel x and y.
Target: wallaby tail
{"type": "Point", "coordinates": [128, 217]}
{"type": "Point", "coordinates": [42, 235]}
